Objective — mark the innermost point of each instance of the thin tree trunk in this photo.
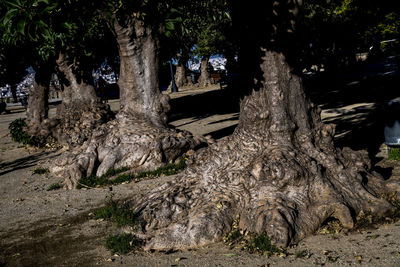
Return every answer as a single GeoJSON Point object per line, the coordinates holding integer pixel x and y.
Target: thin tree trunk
{"type": "Point", "coordinates": [38, 108]}
{"type": "Point", "coordinates": [205, 78]}
{"type": "Point", "coordinates": [14, 92]}
{"type": "Point", "coordinates": [37, 111]}
{"type": "Point", "coordinates": [180, 75]}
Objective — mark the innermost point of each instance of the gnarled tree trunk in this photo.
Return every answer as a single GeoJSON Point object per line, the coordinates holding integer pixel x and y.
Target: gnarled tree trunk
{"type": "Point", "coordinates": [138, 138]}
{"type": "Point", "coordinates": [205, 78]}
{"type": "Point", "coordinates": [278, 173]}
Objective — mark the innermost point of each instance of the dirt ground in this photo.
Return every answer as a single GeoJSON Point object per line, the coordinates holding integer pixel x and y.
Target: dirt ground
{"type": "Point", "coordinates": [55, 228]}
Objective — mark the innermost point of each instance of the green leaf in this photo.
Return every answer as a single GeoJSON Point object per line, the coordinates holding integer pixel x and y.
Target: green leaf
{"type": "Point", "coordinates": [227, 15]}
{"type": "Point", "coordinates": [11, 3]}
{"type": "Point", "coordinates": [9, 15]}
{"type": "Point", "coordinates": [170, 26]}
{"type": "Point", "coordinates": [168, 34]}
{"type": "Point", "coordinates": [49, 8]}
{"type": "Point", "coordinates": [41, 24]}
{"type": "Point", "coordinates": [37, 2]}
{"type": "Point", "coordinates": [21, 26]}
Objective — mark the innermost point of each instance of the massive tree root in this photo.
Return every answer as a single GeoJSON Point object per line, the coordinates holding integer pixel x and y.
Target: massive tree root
{"type": "Point", "coordinates": [127, 141]}
{"type": "Point", "coordinates": [279, 173]}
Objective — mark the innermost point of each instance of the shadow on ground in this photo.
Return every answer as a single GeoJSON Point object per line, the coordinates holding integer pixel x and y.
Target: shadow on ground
{"type": "Point", "coordinates": [203, 105]}
{"type": "Point", "coordinates": [23, 163]}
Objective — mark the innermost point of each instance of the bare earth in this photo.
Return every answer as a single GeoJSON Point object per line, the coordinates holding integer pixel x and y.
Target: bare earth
{"type": "Point", "coordinates": [55, 228]}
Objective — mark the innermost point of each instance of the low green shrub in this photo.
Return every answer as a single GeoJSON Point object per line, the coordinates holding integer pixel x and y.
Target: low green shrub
{"type": "Point", "coordinates": [120, 215]}
{"type": "Point", "coordinates": [394, 153]}
{"type": "Point", "coordinates": [262, 243]}
{"type": "Point", "coordinates": [17, 131]}
{"type": "Point", "coordinates": [122, 243]}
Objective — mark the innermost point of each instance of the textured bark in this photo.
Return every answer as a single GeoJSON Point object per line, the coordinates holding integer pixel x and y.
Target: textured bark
{"type": "Point", "coordinates": [81, 111]}
{"type": "Point", "coordinates": [138, 138]}
{"type": "Point", "coordinates": [205, 78]}
{"type": "Point", "coordinates": [278, 173]}
{"type": "Point", "coordinates": [139, 88]}
{"type": "Point", "coordinates": [75, 89]}
{"type": "Point", "coordinates": [37, 110]}
{"type": "Point", "coordinates": [180, 74]}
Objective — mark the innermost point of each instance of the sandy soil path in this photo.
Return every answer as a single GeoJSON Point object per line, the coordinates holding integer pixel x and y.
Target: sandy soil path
{"type": "Point", "coordinates": [54, 228]}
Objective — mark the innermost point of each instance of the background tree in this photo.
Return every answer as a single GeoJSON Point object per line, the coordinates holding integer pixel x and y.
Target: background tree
{"type": "Point", "coordinates": [332, 31]}
{"type": "Point", "coordinates": [59, 30]}
{"type": "Point", "coordinates": [24, 51]}
{"type": "Point", "coordinates": [279, 172]}
{"type": "Point", "coordinates": [179, 37]}
{"type": "Point", "coordinates": [211, 36]}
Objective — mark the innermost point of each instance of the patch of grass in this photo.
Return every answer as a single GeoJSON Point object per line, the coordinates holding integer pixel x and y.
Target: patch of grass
{"type": "Point", "coordinates": [166, 170]}
{"type": "Point", "coordinates": [394, 153]}
{"type": "Point", "coordinates": [54, 186]}
{"type": "Point", "coordinates": [17, 131]}
{"type": "Point", "coordinates": [41, 171]}
{"type": "Point", "coordinates": [261, 243]}
{"type": "Point", "coordinates": [120, 215]}
{"type": "Point", "coordinates": [93, 181]}
{"type": "Point", "coordinates": [122, 243]}
{"type": "Point", "coordinates": [112, 172]}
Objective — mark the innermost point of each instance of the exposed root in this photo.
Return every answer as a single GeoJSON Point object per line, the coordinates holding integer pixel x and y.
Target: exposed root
{"type": "Point", "coordinates": [286, 193]}
{"type": "Point", "coordinates": [123, 142]}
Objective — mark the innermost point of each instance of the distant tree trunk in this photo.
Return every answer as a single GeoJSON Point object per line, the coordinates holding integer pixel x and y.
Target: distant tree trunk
{"type": "Point", "coordinates": [37, 111]}
{"type": "Point", "coordinates": [231, 63]}
{"type": "Point", "coordinates": [278, 173]}
{"type": "Point", "coordinates": [204, 78]}
{"type": "Point", "coordinates": [180, 75]}
{"type": "Point", "coordinates": [138, 138]}
{"type": "Point", "coordinates": [14, 92]}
